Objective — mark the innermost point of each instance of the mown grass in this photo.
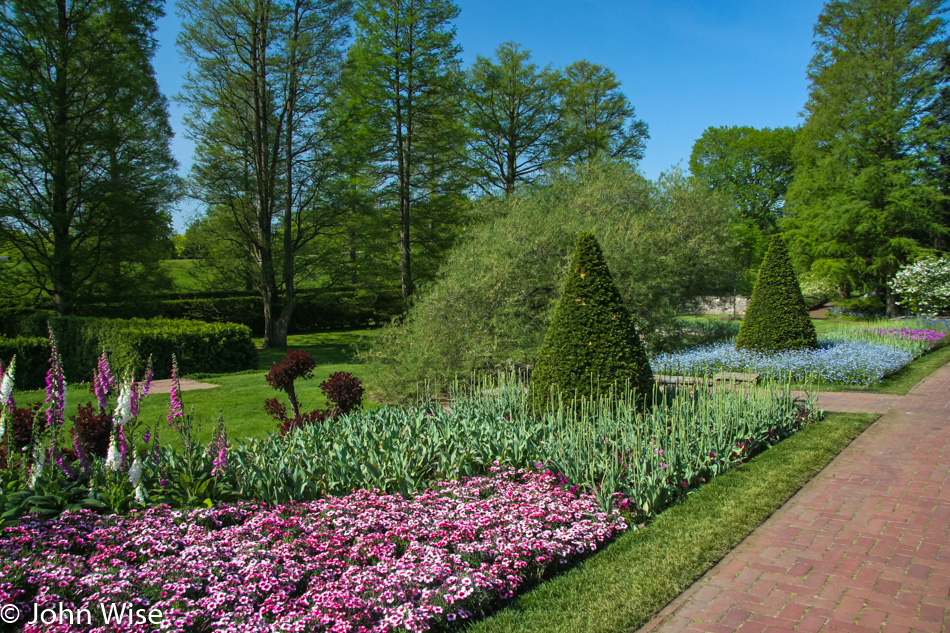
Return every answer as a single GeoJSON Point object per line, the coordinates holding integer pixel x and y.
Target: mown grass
{"type": "Point", "coordinates": [239, 398]}
{"type": "Point", "coordinates": [624, 586]}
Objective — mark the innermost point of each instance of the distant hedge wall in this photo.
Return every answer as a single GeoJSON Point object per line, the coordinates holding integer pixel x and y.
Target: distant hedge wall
{"type": "Point", "coordinates": [202, 347]}
{"type": "Point", "coordinates": [314, 312]}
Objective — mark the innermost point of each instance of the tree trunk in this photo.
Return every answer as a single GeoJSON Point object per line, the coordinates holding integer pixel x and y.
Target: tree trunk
{"type": "Point", "coordinates": [61, 260]}
{"type": "Point", "coordinates": [891, 300]}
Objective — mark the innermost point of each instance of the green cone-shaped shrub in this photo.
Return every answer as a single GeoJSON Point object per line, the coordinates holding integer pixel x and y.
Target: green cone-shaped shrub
{"type": "Point", "coordinates": [591, 343]}
{"type": "Point", "coordinates": [777, 318]}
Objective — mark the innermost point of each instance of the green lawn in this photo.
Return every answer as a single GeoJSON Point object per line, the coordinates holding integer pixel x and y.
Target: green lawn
{"type": "Point", "coordinates": [625, 585]}
{"type": "Point", "coordinates": [239, 398]}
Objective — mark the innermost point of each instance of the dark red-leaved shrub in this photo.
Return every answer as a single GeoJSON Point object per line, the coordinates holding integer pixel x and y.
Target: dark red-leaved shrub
{"type": "Point", "coordinates": [21, 431]}
{"type": "Point", "coordinates": [93, 428]}
{"type": "Point", "coordinates": [295, 364]}
{"type": "Point", "coordinates": [287, 424]}
{"type": "Point", "coordinates": [344, 390]}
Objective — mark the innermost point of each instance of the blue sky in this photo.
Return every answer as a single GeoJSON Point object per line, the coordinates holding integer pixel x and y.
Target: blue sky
{"type": "Point", "coordinates": [684, 64]}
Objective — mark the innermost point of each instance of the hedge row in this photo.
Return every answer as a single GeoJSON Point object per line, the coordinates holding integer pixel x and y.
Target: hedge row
{"type": "Point", "coordinates": [314, 312]}
{"type": "Point", "coordinates": [201, 347]}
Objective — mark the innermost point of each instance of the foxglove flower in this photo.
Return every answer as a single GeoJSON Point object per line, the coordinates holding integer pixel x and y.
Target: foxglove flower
{"type": "Point", "coordinates": [175, 411]}
{"type": "Point", "coordinates": [135, 473]}
{"type": "Point", "coordinates": [123, 406]}
{"type": "Point", "coordinates": [140, 495]}
{"type": "Point", "coordinates": [39, 460]}
{"type": "Point", "coordinates": [6, 385]}
{"type": "Point", "coordinates": [112, 457]}
{"type": "Point", "coordinates": [149, 374]}
{"type": "Point", "coordinates": [103, 382]}
{"type": "Point", "coordinates": [55, 385]}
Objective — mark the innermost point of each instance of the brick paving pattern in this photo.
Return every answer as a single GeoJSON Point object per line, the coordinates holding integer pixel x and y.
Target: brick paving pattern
{"type": "Point", "coordinates": [863, 547]}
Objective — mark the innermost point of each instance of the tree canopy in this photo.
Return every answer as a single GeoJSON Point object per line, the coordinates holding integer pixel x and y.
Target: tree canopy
{"type": "Point", "coordinates": [866, 196]}
{"type": "Point", "coordinates": [88, 176]}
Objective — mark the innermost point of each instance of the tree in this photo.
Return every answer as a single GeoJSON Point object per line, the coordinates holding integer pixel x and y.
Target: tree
{"type": "Point", "coordinates": [865, 199]}
{"type": "Point", "coordinates": [88, 176]}
{"type": "Point", "coordinates": [512, 107]}
{"type": "Point", "coordinates": [264, 72]}
{"type": "Point", "coordinates": [405, 88]}
{"type": "Point", "coordinates": [753, 167]}
{"type": "Point", "coordinates": [592, 343]}
{"type": "Point", "coordinates": [595, 118]}
{"type": "Point", "coordinates": [777, 318]}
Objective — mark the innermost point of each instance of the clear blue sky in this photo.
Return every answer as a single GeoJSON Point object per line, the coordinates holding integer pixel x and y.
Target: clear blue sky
{"type": "Point", "coordinates": [684, 64]}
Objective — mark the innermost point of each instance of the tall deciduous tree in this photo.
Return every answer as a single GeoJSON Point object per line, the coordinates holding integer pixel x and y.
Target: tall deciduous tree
{"type": "Point", "coordinates": [263, 75]}
{"type": "Point", "coordinates": [84, 145]}
{"type": "Point", "coordinates": [864, 198]}
{"type": "Point", "coordinates": [596, 118]}
{"type": "Point", "coordinates": [512, 108]}
{"type": "Point", "coordinates": [753, 167]}
{"type": "Point", "coordinates": [405, 90]}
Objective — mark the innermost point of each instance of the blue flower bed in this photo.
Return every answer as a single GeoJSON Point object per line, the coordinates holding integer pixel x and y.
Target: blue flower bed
{"type": "Point", "coordinates": [849, 362]}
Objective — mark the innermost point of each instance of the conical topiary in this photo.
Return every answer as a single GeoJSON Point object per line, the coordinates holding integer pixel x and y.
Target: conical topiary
{"type": "Point", "coordinates": [591, 343]}
{"type": "Point", "coordinates": [776, 318]}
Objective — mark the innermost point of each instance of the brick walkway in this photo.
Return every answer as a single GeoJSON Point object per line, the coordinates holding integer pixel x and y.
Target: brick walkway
{"type": "Point", "coordinates": [863, 547]}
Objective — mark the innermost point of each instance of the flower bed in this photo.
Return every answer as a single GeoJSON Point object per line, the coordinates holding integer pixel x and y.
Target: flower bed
{"type": "Point", "coordinates": [849, 362]}
{"type": "Point", "coordinates": [855, 356]}
{"type": "Point", "coordinates": [364, 562]}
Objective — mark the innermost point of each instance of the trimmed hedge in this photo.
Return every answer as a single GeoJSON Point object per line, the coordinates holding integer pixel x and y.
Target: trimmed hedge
{"type": "Point", "coordinates": [591, 343]}
{"type": "Point", "coordinates": [777, 318]}
{"type": "Point", "coordinates": [32, 356]}
{"type": "Point", "coordinates": [202, 347]}
{"type": "Point", "coordinates": [314, 312]}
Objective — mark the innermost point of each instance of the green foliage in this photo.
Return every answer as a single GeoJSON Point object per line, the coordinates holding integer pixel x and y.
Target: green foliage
{"type": "Point", "coordinates": [32, 354]}
{"type": "Point", "coordinates": [513, 113]}
{"type": "Point", "coordinates": [924, 287]}
{"type": "Point", "coordinates": [753, 167]}
{"type": "Point", "coordinates": [666, 243]}
{"type": "Point", "coordinates": [776, 318]}
{"type": "Point", "coordinates": [88, 175]}
{"type": "Point", "coordinates": [591, 344]}
{"type": "Point", "coordinates": [595, 119]}
{"type": "Point", "coordinates": [866, 196]}
{"type": "Point", "coordinates": [205, 347]}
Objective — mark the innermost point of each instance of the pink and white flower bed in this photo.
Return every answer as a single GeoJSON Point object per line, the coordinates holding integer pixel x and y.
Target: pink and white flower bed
{"type": "Point", "coordinates": [364, 562]}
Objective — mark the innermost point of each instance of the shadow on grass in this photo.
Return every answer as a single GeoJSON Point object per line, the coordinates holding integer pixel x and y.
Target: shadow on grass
{"type": "Point", "coordinates": [327, 348]}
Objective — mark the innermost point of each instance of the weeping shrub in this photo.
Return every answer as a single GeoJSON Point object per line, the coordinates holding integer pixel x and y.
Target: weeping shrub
{"type": "Point", "coordinates": [666, 243]}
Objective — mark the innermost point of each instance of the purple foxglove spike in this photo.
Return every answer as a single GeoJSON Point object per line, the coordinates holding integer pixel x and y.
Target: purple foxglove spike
{"type": "Point", "coordinates": [149, 374]}
{"type": "Point", "coordinates": [55, 385]}
{"type": "Point", "coordinates": [81, 453]}
{"type": "Point", "coordinates": [175, 410]}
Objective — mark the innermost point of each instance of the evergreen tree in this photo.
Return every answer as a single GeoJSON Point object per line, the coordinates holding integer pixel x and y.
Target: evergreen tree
{"type": "Point", "coordinates": [591, 343]}
{"type": "Point", "coordinates": [866, 194]}
{"type": "Point", "coordinates": [88, 176]}
{"type": "Point", "coordinates": [776, 318]}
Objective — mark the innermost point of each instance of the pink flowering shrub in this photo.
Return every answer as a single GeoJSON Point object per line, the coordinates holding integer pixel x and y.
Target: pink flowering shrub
{"type": "Point", "coordinates": [364, 562]}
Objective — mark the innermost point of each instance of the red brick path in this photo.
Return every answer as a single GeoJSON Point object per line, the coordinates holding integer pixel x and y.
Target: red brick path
{"type": "Point", "coordinates": [863, 547]}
